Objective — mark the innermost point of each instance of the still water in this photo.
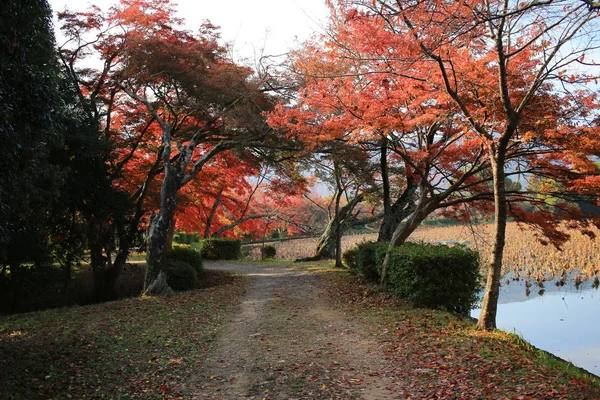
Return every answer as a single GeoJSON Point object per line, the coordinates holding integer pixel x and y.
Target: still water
{"type": "Point", "coordinates": [563, 320]}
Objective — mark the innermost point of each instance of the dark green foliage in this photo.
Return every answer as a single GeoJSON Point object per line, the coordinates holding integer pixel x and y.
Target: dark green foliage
{"type": "Point", "coordinates": [246, 251]}
{"type": "Point", "coordinates": [181, 275]}
{"type": "Point", "coordinates": [350, 258]}
{"type": "Point", "coordinates": [370, 258]}
{"type": "Point", "coordinates": [185, 238]}
{"type": "Point", "coordinates": [188, 255]}
{"type": "Point", "coordinates": [268, 251]}
{"type": "Point", "coordinates": [30, 105]}
{"type": "Point", "coordinates": [221, 249]}
{"type": "Point", "coordinates": [435, 276]}
{"type": "Point", "coordinates": [432, 276]}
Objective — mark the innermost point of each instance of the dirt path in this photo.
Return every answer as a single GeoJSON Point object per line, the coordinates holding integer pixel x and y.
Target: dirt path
{"type": "Point", "coordinates": [288, 342]}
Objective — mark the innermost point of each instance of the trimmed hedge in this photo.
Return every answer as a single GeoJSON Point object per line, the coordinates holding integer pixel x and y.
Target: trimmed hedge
{"type": "Point", "coordinates": [369, 260]}
{"type": "Point", "coordinates": [188, 255]}
{"type": "Point", "coordinates": [185, 238]}
{"type": "Point", "coordinates": [181, 275]}
{"type": "Point", "coordinates": [427, 275]}
{"type": "Point", "coordinates": [436, 276]}
{"type": "Point", "coordinates": [221, 249]}
{"type": "Point", "coordinates": [268, 252]}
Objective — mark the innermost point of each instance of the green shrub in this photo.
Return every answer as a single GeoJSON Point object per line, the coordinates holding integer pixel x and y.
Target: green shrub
{"type": "Point", "coordinates": [246, 251]}
{"type": "Point", "coordinates": [188, 255]}
{"type": "Point", "coordinates": [181, 275]}
{"type": "Point", "coordinates": [185, 238]}
{"type": "Point", "coordinates": [221, 249]}
{"type": "Point", "coordinates": [350, 258]}
{"type": "Point", "coordinates": [435, 276]}
{"type": "Point", "coordinates": [369, 259]}
{"type": "Point", "coordinates": [179, 238]}
{"type": "Point", "coordinates": [268, 251]}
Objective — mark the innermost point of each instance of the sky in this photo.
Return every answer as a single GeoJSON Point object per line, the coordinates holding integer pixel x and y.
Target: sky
{"type": "Point", "coordinates": [249, 26]}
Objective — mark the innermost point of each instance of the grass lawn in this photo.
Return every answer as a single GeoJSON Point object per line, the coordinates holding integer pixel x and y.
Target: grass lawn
{"type": "Point", "coordinates": [132, 348]}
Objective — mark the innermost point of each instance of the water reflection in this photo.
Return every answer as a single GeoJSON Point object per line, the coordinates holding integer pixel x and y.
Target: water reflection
{"type": "Point", "coordinates": [561, 316]}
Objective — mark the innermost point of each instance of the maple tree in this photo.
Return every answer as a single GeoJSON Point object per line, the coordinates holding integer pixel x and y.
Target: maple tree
{"type": "Point", "coordinates": [347, 98]}
{"type": "Point", "coordinates": [115, 215]}
{"type": "Point", "coordinates": [463, 94]}
{"type": "Point", "coordinates": [348, 173]}
{"type": "Point", "coordinates": [203, 102]}
{"type": "Point", "coordinates": [171, 103]}
{"type": "Point", "coordinates": [508, 71]}
{"type": "Point", "coordinates": [238, 203]}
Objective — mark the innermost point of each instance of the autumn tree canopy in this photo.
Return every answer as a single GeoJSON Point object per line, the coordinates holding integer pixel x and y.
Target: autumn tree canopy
{"type": "Point", "coordinates": [468, 94]}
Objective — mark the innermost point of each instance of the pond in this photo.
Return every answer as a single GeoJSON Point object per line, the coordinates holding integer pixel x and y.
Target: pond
{"type": "Point", "coordinates": [561, 319]}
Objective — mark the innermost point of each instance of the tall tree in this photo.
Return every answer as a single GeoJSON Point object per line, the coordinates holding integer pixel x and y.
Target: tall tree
{"type": "Point", "coordinates": [29, 128]}
{"type": "Point", "coordinates": [511, 72]}
{"type": "Point", "coordinates": [203, 103]}
{"type": "Point", "coordinates": [461, 88]}
{"type": "Point", "coordinates": [348, 95]}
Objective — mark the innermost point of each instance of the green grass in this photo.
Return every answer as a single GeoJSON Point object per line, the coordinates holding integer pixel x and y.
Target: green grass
{"type": "Point", "coordinates": [138, 347]}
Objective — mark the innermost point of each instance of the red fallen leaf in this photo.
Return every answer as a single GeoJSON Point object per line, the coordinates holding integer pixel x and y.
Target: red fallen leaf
{"type": "Point", "coordinates": [163, 389]}
{"type": "Point", "coordinates": [374, 374]}
{"type": "Point", "coordinates": [262, 337]}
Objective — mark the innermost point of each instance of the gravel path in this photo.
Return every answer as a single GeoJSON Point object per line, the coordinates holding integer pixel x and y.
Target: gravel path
{"type": "Point", "coordinates": [288, 342]}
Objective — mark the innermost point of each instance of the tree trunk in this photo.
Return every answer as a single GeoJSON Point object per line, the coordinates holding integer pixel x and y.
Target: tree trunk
{"type": "Point", "coordinates": [338, 221]}
{"type": "Point", "coordinates": [211, 216]}
{"type": "Point", "coordinates": [98, 263]}
{"type": "Point", "coordinates": [403, 230]}
{"type": "Point", "coordinates": [105, 281]}
{"type": "Point", "coordinates": [396, 213]}
{"type": "Point", "coordinates": [326, 247]}
{"type": "Point", "coordinates": [338, 247]}
{"type": "Point", "coordinates": [15, 282]}
{"type": "Point", "coordinates": [327, 241]}
{"type": "Point", "coordinates": [155, 281]}
{"type": "Point", "coordinates": [171, 235]}
{"type": "Point", "coordinates": [105, 272]}
{"type": "Point", "coordinates": [67, 269]}
{"type": "Point", "coordinates": [385, 231]}
{"type": "Point", "coordinates": [489, 307]}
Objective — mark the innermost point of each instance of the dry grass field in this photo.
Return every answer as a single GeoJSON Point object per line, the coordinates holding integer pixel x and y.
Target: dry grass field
{"type": "Point", "coordinates": [523, 253]}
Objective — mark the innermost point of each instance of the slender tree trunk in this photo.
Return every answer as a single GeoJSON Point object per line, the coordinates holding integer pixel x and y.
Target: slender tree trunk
{"type": "Point", "coordinates": [326, 247]}
{"type": "Point", "coordinates": [15, 282]}
{"type": "Point", "coordinates": [402, 232]}
{"type": "Point", "coordinates": [98, 262]}
{"type": "Point", "coordinates": [489, 307]}
{"type": "Point", "coordinates": [211, 216]}
{"type": "Point", "coordinates": [338, 233]}
{"type": "Point", "coordinates": [105, 272]}
{"type": "Point", "coordinates": [385, 231]}
{"type": "Point", "coordinates": [155, 281]}
{"type": "Point", "coordinates": [67, 268]}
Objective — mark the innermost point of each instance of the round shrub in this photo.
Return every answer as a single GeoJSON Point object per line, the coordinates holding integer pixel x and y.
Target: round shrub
{"type": "Point", "coordinates": [268, 252]}
{"type": "Point", "coordinates": [188, 255]}
{"type": "Point", "coordinates": [221, 249]}
{"type": "Point", "coordinates": [181, 275]}
{"type": "Point", "coordinates": [350, 258]}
